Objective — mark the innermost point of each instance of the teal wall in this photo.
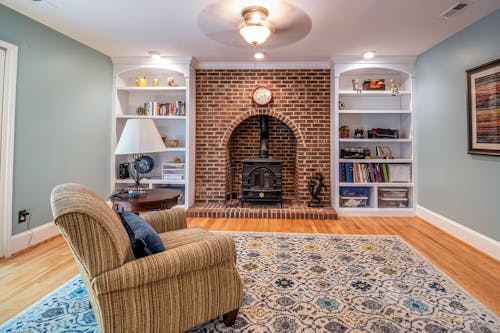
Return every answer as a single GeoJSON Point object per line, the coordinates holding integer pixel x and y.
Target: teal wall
{"type": "Point", "coordinates": [464, 188]}
{"type": "Point", "coordinates": [63, 115]}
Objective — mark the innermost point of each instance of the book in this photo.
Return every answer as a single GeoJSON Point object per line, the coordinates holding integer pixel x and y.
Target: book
{"type": "Point", "coordinates": [348, 173]}
{"type": "Point", "coordinates": [384, 171]}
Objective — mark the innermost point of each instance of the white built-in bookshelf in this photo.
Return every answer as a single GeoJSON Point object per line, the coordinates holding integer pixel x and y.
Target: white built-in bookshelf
{"type": "Point", "coordinates": [372, 109]}
{"type": "Point", "coordinates": [175, 125]}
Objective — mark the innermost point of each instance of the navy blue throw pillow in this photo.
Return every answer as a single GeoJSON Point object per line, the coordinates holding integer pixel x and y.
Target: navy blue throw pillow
{"type": "Point", "coordinates": [143, 238]}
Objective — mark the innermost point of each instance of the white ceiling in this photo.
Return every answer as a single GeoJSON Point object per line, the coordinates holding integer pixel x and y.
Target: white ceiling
{"type": "Point", "coordinates": [339, 27]}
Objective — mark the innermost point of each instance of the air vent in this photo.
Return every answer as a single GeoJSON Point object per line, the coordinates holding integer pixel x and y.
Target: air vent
{"type": "Point", "coordinates": [455, 9]}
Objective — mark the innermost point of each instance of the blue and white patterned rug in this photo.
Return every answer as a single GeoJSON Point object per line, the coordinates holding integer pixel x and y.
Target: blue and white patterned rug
{"type": "Point", "coordinates": [310, 283]}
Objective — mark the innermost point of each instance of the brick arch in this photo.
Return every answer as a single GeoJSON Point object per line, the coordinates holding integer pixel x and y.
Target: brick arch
{"type": "Point", "coordinates": [284, 119]}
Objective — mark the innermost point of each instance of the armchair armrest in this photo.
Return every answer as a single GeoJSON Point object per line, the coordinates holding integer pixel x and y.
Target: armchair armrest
{"type": "Point", "coordinates": [168, 264]}
{"type": "Point", "coordinates": [166, 220]}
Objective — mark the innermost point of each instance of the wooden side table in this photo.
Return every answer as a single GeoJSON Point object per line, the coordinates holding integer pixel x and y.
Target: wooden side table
{"type": "Point", "coordinates": [155, 199]}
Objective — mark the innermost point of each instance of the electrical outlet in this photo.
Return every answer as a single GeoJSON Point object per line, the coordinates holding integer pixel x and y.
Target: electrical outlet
{"type": "Point", "coordinates": [23, 215]}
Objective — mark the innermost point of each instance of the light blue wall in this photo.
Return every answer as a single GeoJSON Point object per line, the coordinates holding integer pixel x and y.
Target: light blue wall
{"type": "Point", "coordinates": [464, 188]}
{"type": "Point", "coordinates": [63, 117]}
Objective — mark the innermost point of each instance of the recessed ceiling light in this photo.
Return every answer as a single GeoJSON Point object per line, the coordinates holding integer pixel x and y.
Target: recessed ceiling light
{"type": "Point", "coordinates": [369, 54]}
{"type": "Point", "coordinates": [259, 55]}
{"type": "Point", "coordinates": [154, 54]}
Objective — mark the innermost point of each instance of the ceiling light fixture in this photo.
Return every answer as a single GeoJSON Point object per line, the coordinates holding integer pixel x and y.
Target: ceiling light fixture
{"type": "Point", "coordinates": [259, 55]}
{"type": "Point", "coordinates": [369, 54]}
{"type": "Point", "coordinates": [256, 29]}
{"type": "Point", "coordinates": [154, 54]}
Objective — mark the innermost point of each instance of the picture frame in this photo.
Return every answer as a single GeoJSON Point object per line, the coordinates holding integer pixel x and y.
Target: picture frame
{"type": "Point", "coordinates": [483, 108]}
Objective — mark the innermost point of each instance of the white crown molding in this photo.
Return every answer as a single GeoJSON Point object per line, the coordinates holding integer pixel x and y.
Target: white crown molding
{"type": "Point", "coordinates": [401, 67]}
{"type": "Point", "coordinates": [176, 64]}
{"type": "Point", "coordinates": [146, 60]}
{"type": "Point", "coordinates": [481, 242]}
{"type": "Point", "coordinates": [375, 60]}
{"type": "Point", "coordinates": [265, 65]}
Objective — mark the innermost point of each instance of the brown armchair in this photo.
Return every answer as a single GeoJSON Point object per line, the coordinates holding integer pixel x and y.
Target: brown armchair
{"type": "Point", "coordinates": [193, 281]}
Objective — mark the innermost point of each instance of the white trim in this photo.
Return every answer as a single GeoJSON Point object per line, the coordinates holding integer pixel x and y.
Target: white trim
{"type": "Point", "coordinates": [265, 65]}
{"type": "Point", "coordinates": [150, 61]}
{"type": "Point", "coordinates": [39, 234]}
{"type": "Point", "coordinates": [376, 60]}
{"type": "Point", "coordinates": [7, 112]}
{"type": "Point", "coordinates": [408, 68]}
{"type": "Point", "coordinates": [481, 242]}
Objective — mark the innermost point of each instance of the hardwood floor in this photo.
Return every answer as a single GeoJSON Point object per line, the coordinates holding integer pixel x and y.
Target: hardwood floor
{"type": "Point", "coordinates": [30, 275]}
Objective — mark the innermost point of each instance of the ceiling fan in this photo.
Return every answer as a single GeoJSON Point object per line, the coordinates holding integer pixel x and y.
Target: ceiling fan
{"type": "Point", "coordinates": [271, 23]}
{"type": "Point", "coordinates": [47, 3]}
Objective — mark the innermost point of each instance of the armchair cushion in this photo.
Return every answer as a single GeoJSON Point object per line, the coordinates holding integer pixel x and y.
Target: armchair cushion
{"type": "Point", "coordinates": [144, 240]}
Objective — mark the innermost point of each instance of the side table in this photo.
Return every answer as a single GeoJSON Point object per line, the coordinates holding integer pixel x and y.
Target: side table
{"type": "Point", "coordinates": [155, 199]}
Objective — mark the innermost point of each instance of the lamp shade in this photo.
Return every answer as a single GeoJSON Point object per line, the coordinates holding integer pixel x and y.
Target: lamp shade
{"type": "Point", "coordinates": [140, 136]}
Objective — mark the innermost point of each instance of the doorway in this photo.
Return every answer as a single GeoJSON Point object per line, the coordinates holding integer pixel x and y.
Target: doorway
{"type": "Point", "coordinates": [8, 74]}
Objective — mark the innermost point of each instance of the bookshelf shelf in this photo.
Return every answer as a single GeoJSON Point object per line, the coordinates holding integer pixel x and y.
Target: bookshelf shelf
{"type": "Point", "coordinates": [171, 108]}
{"type": "Point", "coordinates": [343, 184]}
{"type": "Point", "coordinates": [176, 149]}
{"type": "Point", "coordinates": [132, 88]}
{"type": "Point", "coordinates": [381, 93]}
{"type": "Point", "coordinates": [376, 140]}
{"type": "Point", "coordinates": [388, 161]}
{"type": "Point", "coordinates": [373, 109]}
{"type": "Point", "coordinates": [137, 116]}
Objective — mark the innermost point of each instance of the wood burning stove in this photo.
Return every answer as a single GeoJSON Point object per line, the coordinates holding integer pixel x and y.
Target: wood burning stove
{"type": "Point", "coordinates": [261, 178]}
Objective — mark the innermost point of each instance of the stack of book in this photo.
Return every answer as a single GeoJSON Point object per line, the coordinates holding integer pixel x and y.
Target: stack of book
{"type": "Point", "coordinates": [173, 171]}
{"type": "Point", "coordinates": [364, 172]}
{"type": "Point", "coordinates": [178, 108]}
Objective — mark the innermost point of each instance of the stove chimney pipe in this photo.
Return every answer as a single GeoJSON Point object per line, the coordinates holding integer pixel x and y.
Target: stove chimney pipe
{"type": "Point", "coordinates": [264, 137]}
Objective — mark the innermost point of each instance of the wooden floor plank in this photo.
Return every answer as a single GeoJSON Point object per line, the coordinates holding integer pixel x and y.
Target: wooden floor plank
{"type": "Point", "coordinates": [32, 274]}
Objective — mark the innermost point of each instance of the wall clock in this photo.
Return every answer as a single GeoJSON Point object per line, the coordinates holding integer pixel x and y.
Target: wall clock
{"type": "Point", "coordinates": [262, 96]}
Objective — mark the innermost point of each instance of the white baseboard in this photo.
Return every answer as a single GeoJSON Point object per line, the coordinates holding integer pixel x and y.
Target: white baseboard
{"type": "Point", "coordinates": [481, 242]}
{"type": "Point", "coordinates": [39, 234]}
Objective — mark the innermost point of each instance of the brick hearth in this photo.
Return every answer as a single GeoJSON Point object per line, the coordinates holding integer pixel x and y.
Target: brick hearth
{"type": "Point", "coordinates": [289, 211]}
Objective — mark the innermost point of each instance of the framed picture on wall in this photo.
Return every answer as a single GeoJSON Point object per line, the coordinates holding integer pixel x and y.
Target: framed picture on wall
{"type": "Point", "coordinates": [483, 108]}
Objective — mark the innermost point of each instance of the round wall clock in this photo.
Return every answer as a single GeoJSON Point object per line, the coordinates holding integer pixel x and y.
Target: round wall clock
{"type": "Point", "coordinates": [262, 96]}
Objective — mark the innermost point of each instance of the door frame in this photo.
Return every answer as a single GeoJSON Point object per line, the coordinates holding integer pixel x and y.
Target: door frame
{"type": "Point", "coordinates": [7, 112]}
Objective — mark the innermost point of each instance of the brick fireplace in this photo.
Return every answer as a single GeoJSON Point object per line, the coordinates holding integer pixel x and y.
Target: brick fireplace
{"type": "Point", "coordinates": [227, 129]}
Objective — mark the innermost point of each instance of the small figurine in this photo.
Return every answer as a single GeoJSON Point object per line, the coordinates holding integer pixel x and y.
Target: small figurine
{"type": "Point", "coordinates": [344, 132]}
{"type": "Point", "coordinates": [394, 88]}
{"type": "Point", "coordinates": [355, 86]}
{"type": "Point", "coordinates": [140, 111]}
{"type": "Point", "coordinates": [384, 152]}
{"type": "Point", "coordinates": [141, 81]}
{"type": "Point", "coordinates": [358, 133]}
{"type": "Point", "coordinates": [315, 186]}
{"type": "Point", "coordinates": [171, 82]}
{"type": "Point", "coordinates": [341, 105]}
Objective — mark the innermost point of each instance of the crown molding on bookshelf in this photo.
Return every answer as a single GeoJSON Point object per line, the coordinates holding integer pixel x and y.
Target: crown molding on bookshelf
{"type": "Point", "coordinates": [375, 60]}
{"type": "Point", "coordinates": [150, 61]}
{"type": "Point", "coordinates": [401, 64]}
{"type": "Point", "coordinates": [265, 65]}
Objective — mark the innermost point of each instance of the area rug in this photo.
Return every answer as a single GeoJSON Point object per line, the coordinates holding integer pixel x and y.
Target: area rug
{"type": "Point", "coordinates": [310, 283]}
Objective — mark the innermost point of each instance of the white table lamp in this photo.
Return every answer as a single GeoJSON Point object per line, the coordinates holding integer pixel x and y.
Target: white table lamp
{"type": "Point", "coordinates": [139, 136]}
